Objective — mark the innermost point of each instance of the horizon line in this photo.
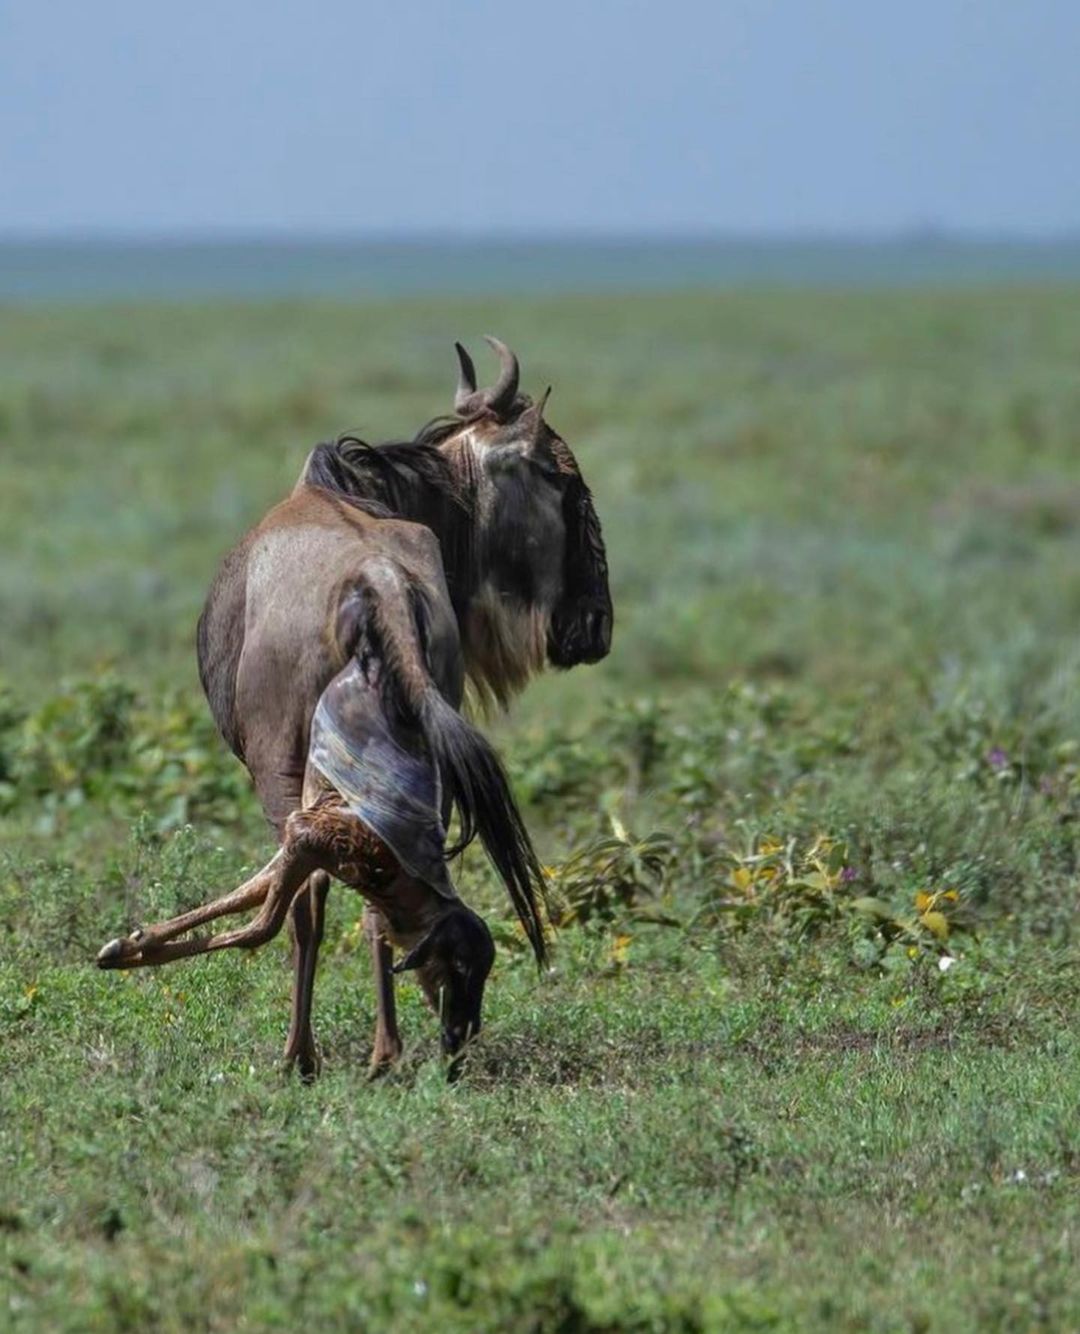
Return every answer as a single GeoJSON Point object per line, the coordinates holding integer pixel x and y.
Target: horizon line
{"type": "Point", "coordinates": [928, 233]}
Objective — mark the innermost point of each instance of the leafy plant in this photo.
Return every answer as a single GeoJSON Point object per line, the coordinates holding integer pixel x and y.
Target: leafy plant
{"type": "Point", "coordinates": [775, 878]}
{"type": "Point", "coordinates": [611, 877]}
{"type": "Point", "coordinates": [801, 888]}
{"type": "Point", "coordinates": [96, 742]}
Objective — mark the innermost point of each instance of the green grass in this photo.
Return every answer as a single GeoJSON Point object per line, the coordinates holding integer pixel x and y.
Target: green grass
{"type": "Point", "coordinates": [844, 534]}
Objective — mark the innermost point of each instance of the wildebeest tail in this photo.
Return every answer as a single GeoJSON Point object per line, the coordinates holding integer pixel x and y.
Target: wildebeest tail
{"type": "Point", "coordinates": [470, 769]}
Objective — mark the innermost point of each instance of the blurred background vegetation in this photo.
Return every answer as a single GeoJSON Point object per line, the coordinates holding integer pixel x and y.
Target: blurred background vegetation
{"type": "Point", "coordinates": [842, 530]}
{"type": "Point", "coordinates": [811, 832]}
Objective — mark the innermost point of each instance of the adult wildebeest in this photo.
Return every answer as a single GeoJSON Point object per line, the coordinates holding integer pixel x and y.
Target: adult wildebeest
{"type": "Point", "coordinates": [334, 648]}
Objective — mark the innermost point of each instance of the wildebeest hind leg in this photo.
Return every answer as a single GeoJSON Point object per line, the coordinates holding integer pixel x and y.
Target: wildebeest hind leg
{"type": "Point", "coordinates": [306, 925]}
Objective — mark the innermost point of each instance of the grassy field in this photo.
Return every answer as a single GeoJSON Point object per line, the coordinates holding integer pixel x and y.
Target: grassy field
{"type": "Point", "coordinates": [807, 1055]}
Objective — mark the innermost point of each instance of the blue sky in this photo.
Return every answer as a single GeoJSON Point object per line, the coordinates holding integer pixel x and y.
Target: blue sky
{"type": "Point", "coordinates": [478, 117]}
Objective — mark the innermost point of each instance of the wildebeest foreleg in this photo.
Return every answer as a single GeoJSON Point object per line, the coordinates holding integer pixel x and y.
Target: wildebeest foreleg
{"type": "Point", "coordinates": [306, 926]}
{"type": "Point", "coordinates": [275, 887]}
{"type": "Point", "coordinates": [388, 1044]}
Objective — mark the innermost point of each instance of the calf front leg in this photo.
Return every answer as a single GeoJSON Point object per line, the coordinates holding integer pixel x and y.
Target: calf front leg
{"type": "Point", "coordinates": [306, 924]}
{"type": "Point", "coordinates": [388, 1045]}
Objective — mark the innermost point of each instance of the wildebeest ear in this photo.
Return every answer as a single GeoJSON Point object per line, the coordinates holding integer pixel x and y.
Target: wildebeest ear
{"type": "Point", "coordinates": [419, 955]}
{"type": "Point", "coordinates": [539, 406]}
{"type": "Point", "coordinates": [531, 422]}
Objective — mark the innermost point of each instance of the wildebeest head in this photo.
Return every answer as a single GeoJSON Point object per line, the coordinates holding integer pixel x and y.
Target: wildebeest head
{"type": "Point", "coordinates": [543, 587]}
{"type": "Point", "coordinates": [521, 543]}
{"type": "Point", "coordinates": [453, 961]}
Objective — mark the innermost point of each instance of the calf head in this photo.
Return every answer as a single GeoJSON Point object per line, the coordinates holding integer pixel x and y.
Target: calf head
{"type": "Point", "coordinates": [453, 962]}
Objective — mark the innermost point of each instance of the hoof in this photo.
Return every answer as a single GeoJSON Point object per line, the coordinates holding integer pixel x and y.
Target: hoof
{"type": "Point", "coordinates": [309, 1067]}
{"type": "Point", "coordinates": [112, 955]}
{"type": "Point", "coordinates": [121, 952]}
{"type": "Point", "coordinates": [382, 1062]}
{"type": "Point", "coordinates": [306, 1063]}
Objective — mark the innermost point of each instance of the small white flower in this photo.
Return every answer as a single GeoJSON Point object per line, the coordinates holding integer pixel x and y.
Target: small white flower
{"type": "Point", "coordinates": [945, 963]}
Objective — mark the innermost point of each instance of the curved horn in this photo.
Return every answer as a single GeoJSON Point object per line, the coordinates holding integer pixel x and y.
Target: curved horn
{"type": "Point", "coordinates": [500, 397]}
{"type": "Point", "coordinates": [466, 385]}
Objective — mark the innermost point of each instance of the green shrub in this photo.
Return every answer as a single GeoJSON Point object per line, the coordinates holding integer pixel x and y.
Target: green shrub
{"type": "Point", "coordinates": [95, 742]}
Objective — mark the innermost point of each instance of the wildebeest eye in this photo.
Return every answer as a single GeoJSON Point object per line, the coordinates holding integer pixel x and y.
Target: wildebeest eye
{"type": "Point", "coordinates": [548, 471]}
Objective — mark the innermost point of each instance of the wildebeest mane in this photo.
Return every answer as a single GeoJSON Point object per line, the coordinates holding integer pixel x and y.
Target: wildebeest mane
{"type": "Point", "coordinates": [407, 479]}
{"type": "Point", "coordinates": [386, 479]}
{"type": "Point", "coordinates": [586, 561]}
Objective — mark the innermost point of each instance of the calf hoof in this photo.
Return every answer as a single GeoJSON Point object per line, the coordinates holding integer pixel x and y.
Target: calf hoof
{"type": "Point", "coordinates": [121, 952]}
